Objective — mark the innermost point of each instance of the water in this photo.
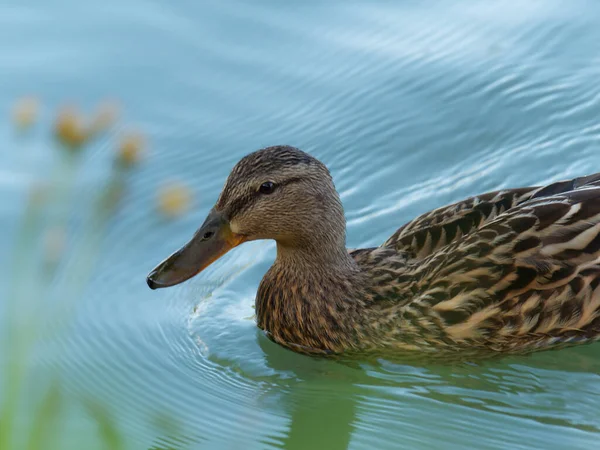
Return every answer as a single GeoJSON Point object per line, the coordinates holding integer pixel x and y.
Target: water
{"type": "Point", "coordinates": [411, 105]}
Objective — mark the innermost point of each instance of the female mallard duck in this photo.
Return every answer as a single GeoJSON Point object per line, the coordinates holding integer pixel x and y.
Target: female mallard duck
{"type": "Point", "coordinates": [508, 271]}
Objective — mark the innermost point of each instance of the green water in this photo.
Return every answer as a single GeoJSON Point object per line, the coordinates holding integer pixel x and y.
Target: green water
{"type": "Point", "coordinates": [411, 104]}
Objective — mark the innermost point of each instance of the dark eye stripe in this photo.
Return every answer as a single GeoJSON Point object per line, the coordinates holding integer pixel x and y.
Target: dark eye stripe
{"type": "Point", "coordinates": [290, 181]}
{"type": "Point", "coordinates": [241, 204]}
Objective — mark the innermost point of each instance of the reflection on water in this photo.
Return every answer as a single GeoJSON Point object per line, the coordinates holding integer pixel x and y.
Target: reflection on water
{"type": "Point", "coordinates": [412, 106]}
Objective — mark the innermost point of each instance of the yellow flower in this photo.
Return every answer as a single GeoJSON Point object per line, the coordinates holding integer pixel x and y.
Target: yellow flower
{"type": "Point", "coordinates": [70, 129]}
{"type": "Point", "coordinates": [130, 149]}
{"type": "Point", "coordinates": [174, 199]}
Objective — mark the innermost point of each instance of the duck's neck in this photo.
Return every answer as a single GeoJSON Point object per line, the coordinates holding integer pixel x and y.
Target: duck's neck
{"type": "Point", "coordinates": [313, 259]}
{"type": "Point", "coordinates": [310, 296]}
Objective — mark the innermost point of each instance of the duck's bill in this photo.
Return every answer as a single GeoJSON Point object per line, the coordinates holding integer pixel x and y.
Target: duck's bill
{"type": "Point", "coordinates": [211, 241]}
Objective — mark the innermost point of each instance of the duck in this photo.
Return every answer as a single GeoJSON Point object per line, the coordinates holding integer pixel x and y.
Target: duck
{"type": "Point", "coordinates": [509, 271]}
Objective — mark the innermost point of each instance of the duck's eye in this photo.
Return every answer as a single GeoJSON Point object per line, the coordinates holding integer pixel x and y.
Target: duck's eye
{"type": "Point", "coordinates": [267, 187]}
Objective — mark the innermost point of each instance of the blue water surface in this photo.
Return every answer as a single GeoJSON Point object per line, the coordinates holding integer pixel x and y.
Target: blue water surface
{"type": "Point", "coordinates": [412, 105]}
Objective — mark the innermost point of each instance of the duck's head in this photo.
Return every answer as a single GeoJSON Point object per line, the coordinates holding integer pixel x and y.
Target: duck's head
{"type": "Point", "coordinates": [278, 193]}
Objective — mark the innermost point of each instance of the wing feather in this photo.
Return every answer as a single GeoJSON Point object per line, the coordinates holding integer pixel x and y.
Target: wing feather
{"type": "Point", "coordinates": [530, 274]}
{"type": "Point", "coordinates": [432, 231]}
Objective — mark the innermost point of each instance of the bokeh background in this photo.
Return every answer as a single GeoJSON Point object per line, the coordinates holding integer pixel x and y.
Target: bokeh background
{"type": "Point", "coordinates": [121, 121]}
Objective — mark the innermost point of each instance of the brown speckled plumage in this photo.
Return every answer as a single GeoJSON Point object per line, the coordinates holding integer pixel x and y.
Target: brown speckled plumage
{"type": "Point", "coordinates": [509, 271]}
{"type": "Point", "coordinates": [514, 270]}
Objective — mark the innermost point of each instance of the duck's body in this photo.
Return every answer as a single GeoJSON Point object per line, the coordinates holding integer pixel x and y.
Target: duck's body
{"type": "Point", "coordinates": [509, 271]}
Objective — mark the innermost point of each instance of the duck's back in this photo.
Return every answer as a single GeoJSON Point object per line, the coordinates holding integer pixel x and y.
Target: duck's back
{"type": "Point", "coordinates": [509, 271]}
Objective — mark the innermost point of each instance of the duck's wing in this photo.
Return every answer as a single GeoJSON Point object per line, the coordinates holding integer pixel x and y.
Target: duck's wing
{"type": "Point", "coordinates": [433, 230]}
{"type": "Point", "coordinates": [527, 278]}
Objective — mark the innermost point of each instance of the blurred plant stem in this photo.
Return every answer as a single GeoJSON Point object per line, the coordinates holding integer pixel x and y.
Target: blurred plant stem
{"type": "Point", "coordinates": [29, 282]}
{"type": "Point", "coordinates": [32, 290]}
{"type": "Point", "coordinates": [17, 342]}
{"type": "Point", "coordinates": [44, 430]}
